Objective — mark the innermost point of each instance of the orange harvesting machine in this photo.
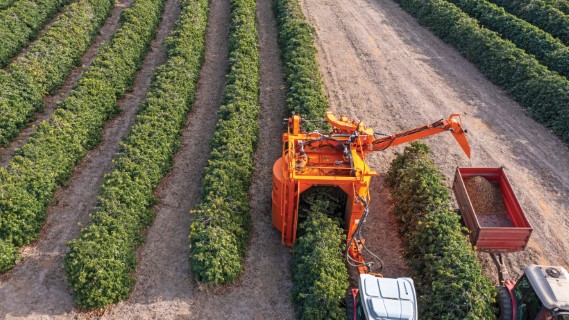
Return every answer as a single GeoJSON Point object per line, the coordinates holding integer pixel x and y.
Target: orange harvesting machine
{"type": "Point", "coordinates": [338, 159]}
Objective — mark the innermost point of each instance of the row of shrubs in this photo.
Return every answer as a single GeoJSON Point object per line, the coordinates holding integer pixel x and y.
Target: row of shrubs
{"type": "Point", "coordinates": [303, 80]}
{"type": "Point", "coordinates": [561, 5]}
{"type": "Point", "coordinates": [221, 228]}
{"type": "Point", "coordinates": [449, 279]}
{"type": "Point", "coordinates": [6, 3]}
{"type": "Point", "coordinates": [21, 21]}
{"type": "Point", "coordinates": [549, 51]}
{"type": "Point", "coordinates": [319, 274]}
{"type": "Point", "coordinates": [101, 263]}
{"type": "Point", "coordinates": [543, 93]}
{"type": "Point", "coordinates": [540, 14]}
{"type": "Point", "coordinates": [47, 63]}
{"type": "Point", "coordinates": [47, 160]}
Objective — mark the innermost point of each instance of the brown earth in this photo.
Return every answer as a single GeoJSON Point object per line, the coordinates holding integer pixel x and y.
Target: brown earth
{"type": "Point", "coordinates": [165, 288]}
{"type": "Point", "coordinates": [37, 286]}
{"type": "Point", "coordinates": [50, 103]}
{"type": "Point", "coordinates": [381, 66]}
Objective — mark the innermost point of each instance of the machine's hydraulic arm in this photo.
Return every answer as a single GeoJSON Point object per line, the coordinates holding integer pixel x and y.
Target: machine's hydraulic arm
{"type": "Point", "coordinates": [364, 137]}
{"type": "Point", "coordinates": [452, 124]}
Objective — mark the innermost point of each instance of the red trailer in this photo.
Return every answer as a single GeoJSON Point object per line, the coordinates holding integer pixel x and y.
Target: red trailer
{"type": "Point", "coordinates": [486, 237]}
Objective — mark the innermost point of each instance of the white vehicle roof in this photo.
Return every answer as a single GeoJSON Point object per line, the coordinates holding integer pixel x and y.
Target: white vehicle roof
{"type": "Point", "coordinates": [551, 284]}
{"type": "Point", "coordinates": [385, 298]}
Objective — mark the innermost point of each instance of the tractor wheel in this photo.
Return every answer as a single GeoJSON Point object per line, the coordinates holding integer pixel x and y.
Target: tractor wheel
{"type": "Point", "coordinates": [505, 304]}
{"type": "Point", "coordinates": [349, 305]}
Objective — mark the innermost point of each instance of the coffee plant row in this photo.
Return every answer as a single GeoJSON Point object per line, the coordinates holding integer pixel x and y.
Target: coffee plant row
{"type": "Point", "coordinates": [47, 63]}
{"type": "Point", "coordinates": [320, 278]}
{"type": "Point", "coordinates": [449, 279]}
{"type": "Point", "coordinates": [221, 228]}
{"type": "Point", "coordinates": [548, 50]}
{"type": "Point", "coordinates": [319, 274]}
{"type": "Point", "coordinates": [561, 5]}
{"type": "Point", "coordinates": [6, 3]}
{"type": "Point", "coordinates": [100, 264]}
{"type": "Point", "coordinates": [540, 14]}
{"type": "Point", "coordinates": [543, 93]}
{"type": "Point", "coordinates": [303, 80]}
{"type": "Point", "coordinates": [21, 22]}
{"type": "Point", "coordinates": [60, 142]}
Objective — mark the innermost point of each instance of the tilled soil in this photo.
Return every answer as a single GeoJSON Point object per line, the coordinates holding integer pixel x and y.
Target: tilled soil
{"type": "Point", "coordinates": [50, 103]}
{"type": "Point", "coordinates": [381, 66]}
{"type": "Point", "coordinates": [37, 286]}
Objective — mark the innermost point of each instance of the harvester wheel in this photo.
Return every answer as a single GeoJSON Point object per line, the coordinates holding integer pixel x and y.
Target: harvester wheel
{"type": "Point", "coordinates": [505, 304]}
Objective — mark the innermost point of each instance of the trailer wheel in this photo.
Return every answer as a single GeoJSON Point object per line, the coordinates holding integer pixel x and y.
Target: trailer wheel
{"type": "Point", "coordinates": [505, 304]}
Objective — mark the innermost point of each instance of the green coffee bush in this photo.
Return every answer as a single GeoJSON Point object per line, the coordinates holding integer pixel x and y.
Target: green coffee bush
{"type": "Point", "coordinates": [101, 263]}
{"type": "Point", "coordinates": [541, 14]}
{"type": "Point", "coordinates": [319, 274]}
{"type": "Point", "coordinates": [304, 82]}
{"type": "Point", "coordinates": [445, 268]}
{"type": "Point", "coordinates": [21, 22]}
{"type": "Point", "coordinates": [47, 63]}
{"type": "Point", "coordinates": [543, 93]}
{"type": "Point", "coordinates": [221, 229]}
{"type": "Point", "coordinates": [548, 50]}
{"type": "Point", "coordinates": [48, 158]}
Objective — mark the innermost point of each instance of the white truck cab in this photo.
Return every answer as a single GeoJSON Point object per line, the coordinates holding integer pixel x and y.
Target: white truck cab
{"type": "Point", "coordinates": [383, 299]}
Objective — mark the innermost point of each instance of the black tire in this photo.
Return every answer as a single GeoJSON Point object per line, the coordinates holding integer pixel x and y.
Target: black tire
{"type": "Point", "coordinates": [505, 303]}
{"type": "Point", "coordinates": [349, 305]}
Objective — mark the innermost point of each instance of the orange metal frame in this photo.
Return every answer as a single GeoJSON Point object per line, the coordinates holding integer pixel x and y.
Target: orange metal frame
{"type": "Point", "coordinates": [337, 159]}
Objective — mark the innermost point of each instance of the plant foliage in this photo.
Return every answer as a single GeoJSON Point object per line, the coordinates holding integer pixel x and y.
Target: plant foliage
{"type": "Point", "coordinates": [540, 14]}
{"type": "Point", "coordinates": [47, 63]}
{"type": "Point", "coordinates": [220, 230]}
{"type": "Point", "coordinates": [319, 274]}
{"type": "Point", "coordinates": [21, 21]}
{"type": "Point", "coordinates": [101, 263]}
{"type": "Point", "coordinates": [561, 5]}
{"type": "Point", "coordinates": [48, 158]}
{"type": "Point", "coordinates": [6, 3]}
{"type": "Point", "coordinates": [548, 50]}
{"type": "Point", "coordinates": [446, 270]}
{"type": "Point", "coordinates": [543, 93]}
{"type": "Point", "coordinates": [303, 79]}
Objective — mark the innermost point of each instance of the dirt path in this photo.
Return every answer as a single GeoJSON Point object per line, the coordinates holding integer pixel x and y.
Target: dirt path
{"type": "Point", "coordinates": [105, 34]}
{"type": "Point", "coordinates": [37, 287]}
{"type": "Point", "coordinates": [165, 288]}
{"type": "Point", "coordinates": [381, 66]}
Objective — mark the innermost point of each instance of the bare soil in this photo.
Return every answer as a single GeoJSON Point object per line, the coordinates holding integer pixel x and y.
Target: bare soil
{"type": "Point", "coordinates": [50, 103]}
{"type": "Point", "coordinates": [165, 288]}
{"type": "Point", "coordinates": [381, 66]}
{"type": "Point", "coordinates": [37, 286]}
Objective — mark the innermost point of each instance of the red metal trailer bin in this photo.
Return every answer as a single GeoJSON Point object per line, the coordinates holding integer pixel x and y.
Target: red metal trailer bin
{"type": "Point", "coordinates": [488, 238]}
